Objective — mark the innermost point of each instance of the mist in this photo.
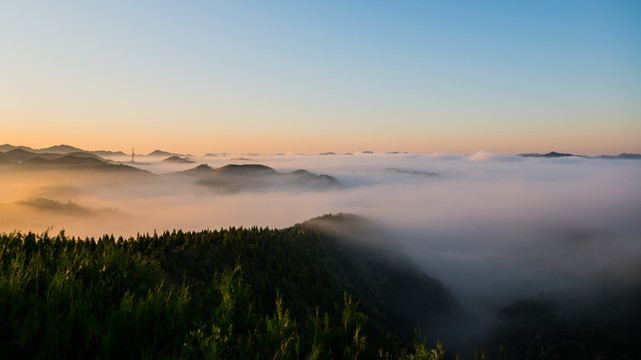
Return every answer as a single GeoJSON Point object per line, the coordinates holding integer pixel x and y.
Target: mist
{"type": "Point", "coordinates": [493, 228]}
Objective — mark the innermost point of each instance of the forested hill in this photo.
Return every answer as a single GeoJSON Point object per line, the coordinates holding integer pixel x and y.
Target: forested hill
{"type": "Point", "coordinates": [235, 293]}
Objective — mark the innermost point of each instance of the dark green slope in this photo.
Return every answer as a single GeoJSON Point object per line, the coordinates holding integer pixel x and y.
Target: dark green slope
{"type": "Point", "coordinates": [314, 267]}
{"type": "Point", "coordinates": [396, 290]}
{"type": "Point", "coordinates": [252, 293]}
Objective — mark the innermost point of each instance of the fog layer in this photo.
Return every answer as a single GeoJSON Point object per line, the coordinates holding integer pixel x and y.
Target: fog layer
{"type": "Point", "coordinates": [493, 228]}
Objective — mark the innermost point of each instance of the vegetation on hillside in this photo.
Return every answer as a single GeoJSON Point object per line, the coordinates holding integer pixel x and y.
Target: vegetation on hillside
{"type": "Point", "coordinates": [303, 292]}
{"type": "Point", "coordinates": [229, 294]}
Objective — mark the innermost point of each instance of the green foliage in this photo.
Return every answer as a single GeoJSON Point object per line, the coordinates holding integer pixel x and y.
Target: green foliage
{"type": "Point", "coordinates": [420, 351]}
{"type": "Point", "coordinates": [229, 294]}
{"type": "Point", "coordinates": [62, 298]}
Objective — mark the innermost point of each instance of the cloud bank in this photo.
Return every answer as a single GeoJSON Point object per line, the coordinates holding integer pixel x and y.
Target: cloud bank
{"type": "Point", "coordinates": [493, 228]}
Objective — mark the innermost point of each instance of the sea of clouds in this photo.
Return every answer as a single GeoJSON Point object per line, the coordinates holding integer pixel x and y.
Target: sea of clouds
{"type": "Point", "coordinates": [493, 228]}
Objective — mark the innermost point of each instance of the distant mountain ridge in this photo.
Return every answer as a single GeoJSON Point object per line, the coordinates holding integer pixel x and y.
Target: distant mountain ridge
{"type": "Point", "coordinates": [20, 155]}
{"type": "Point", "coordinates": [229, 178]}
{"type": "Point", "coordinates": [19, 159]}
{"type": "Point", "coordinates": [554, 154]}
{"type": "Point", "coordinates": [621, 156]}
{"type": "Point", "coordinates": [68, 149]}
{"type": "Point", "coordinates": [58, 149]}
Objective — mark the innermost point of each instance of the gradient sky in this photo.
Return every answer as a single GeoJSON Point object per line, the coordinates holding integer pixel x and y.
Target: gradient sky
{"type": "Point", "coordinates": [303, 76]}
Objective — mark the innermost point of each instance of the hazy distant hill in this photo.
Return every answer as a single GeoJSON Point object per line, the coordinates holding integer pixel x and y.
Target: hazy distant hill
{"type": "Point", "coordinates": [19, 159]}
{"type": "Point", "coordinates": [158, 153]}
{"type": "Point", "coordinates": [198, 172]}
{"type": "Point", "coordinates": [234, 178]}
{"type": "Point", "coordinates": [178, 160]}
{"type": "Point", "coordinates": [19, 155]}
{"type": "Point", "coordinates": [8, 147]}
{"type": "Point", "coordinates": [65, 161]}
{"type": "Point", "coordinates": [551, 154]}
{"type": "Point", "coordinates": [67, 149]}
{"type": "Point", "coordinates": [60, 149]}
{"type": "Point", "coordinates": [246, 170]}
{"type": "Point", "coordinates": [621, 156]}
{"type": "Point", "coordinates": [103, 153]}
{"type": "Point", "coordinates": [74, 160]}
{"type": "Point", "coordinates": [554, 154]}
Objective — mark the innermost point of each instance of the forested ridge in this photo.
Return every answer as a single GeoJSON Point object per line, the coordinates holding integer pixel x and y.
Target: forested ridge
{"type": "Point", "coordinates": [302, 292]}
{"type": "Point", "coordinates": [233, 293]}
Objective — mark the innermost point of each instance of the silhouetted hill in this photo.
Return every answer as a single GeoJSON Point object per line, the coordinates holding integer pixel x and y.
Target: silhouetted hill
{"type": "Point", "coordinates": [178, 160]}
{"type": "Point", "coordinates": [622, 156]}
{"type": "Point", "coordinates": [248, 169]}
{"type": "Point", "coordinates": [554, 154]}
{"type": "Point", "coordinates": [73, 160]}
{"type": "Point", "coordinates": [59, 149]}
{"type": "Point", "coordinates": [159, 153]}
{"type": "Point", "coordinates": [18, 155]}
{"type": "Point", "coordinates": [77, 162]}
{"type": "Point", "coordinates": [79, 154]}
{"type": "Point", "coordinates": [9, 147]}
{"type": "Point", "coordinates": [56, 149]}
{"type": "Point", "coordinates": [234, 178]}
{"type": "Point", "coordinates": [198, 172]}
{"type": "Point", "coordinates": [551, 154]}
{"type": "Point", "coordinates": [61, 162]}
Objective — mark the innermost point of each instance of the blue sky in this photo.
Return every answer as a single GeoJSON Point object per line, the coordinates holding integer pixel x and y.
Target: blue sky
{"type": "Point", "coordinates": [324, 76]}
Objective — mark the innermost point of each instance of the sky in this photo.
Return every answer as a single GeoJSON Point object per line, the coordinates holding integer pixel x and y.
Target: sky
{"type": "Point", "coordinates": [299, 76]}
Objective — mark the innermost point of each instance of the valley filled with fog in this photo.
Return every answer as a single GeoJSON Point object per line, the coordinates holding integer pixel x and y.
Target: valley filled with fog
{"type": "Point", "coordinates": [493, 228]}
